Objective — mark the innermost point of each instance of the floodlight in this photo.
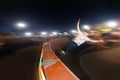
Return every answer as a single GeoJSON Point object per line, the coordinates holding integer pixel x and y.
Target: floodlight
{"type": "Point", "coordinates": [73, 31]}
{"type": "Point", "coordinates": [44, 33]}
{"type": "Point", "coordinates": [54, 33]}
{"type": "Point", "coordinates": [87, 27]}
{"type": "Point", "coordinates": [112, 24]}
{"type": "Point", "coordinates": [28, 33]}
{"type": "Point", "coordinates": [21, 25]}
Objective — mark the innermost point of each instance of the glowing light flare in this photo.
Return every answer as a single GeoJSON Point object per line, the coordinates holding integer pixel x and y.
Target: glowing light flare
{"type": "Point", "coordinates": [43, 33]}
{"type": "Point", "coordinates": [21, 25]}
{"type": "Point", "coordinates": [60, 33]}
{"type": "Point", "coordinates": [112, 24]}
{"type": "Point", "coordinates": [28, 34]}
{"type": "Point", "coordinates": [65, 33]}
{"type": "Point", "coordinates": [87, 27]}
{"type": "Point", "coordinates": [54, 33]}
{"type": "Point", "coordinates": [73, 31]}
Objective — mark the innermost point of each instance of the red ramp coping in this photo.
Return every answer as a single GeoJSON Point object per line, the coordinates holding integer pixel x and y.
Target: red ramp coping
{"type": "Point", "coordinates": [53, 68]}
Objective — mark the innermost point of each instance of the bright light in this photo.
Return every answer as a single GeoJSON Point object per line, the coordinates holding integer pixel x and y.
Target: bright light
{"type": "Point", "coordinates": [21, 25]}
{"type": "Point", "coordinates": [112, 24]}
{"type": "Point", "coordinates": [73, 31]}
{"type": "Point", "coordinates": [65, 33]}
{"type": "Point", "coordinates": [44, 33]}
{"type": "Point", "coordinates": [54, 33]}
{"type": "Point", "coordinates": [51, 35]}
{"type": "Point", "coordinates": [87, 27]}
{"type": "Point", "coordinates": [28, 33]}
{"type": "Point", "coordinates": [60, 33]}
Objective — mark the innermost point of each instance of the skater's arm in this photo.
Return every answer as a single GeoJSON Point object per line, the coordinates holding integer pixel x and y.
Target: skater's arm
{"type": "Point", "coordinates": [78, 27]}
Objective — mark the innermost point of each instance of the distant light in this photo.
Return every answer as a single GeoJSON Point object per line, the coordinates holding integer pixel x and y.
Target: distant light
{"type": "Point", "coordinates": [87, 27]}
{"type": "Point", "coordinates": [54, 33]}
{"type": "Point", "coordinates": [65, 33]}
{"type": "Point", "coordinates": [21, 25]}
{"type": "Point", "coordinates": [28, 33]}
{"type": "Point", "coordinates": [60, 33]}
{"type": "Point", "coordinates": [51, 35]}
{"type": "Point", "coordinates": [73, 31]}
{"type": "Point", "coordinates": [112, 24]}
{"type": "Point", "coordinates": [44, 33]}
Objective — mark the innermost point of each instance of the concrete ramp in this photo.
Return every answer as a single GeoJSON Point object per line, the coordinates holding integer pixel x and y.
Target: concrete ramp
{"type": "Point", "coordinates": [53, 68]}
{"type": "Point", "coordinates": [102, 65]}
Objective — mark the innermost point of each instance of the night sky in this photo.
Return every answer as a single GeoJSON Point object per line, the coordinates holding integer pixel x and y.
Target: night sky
{"type": "Point", "coordinates": [59, 15]}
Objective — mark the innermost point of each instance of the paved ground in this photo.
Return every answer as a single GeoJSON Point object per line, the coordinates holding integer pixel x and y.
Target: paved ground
{"type": "Point", "coordinates": [19, 59]}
